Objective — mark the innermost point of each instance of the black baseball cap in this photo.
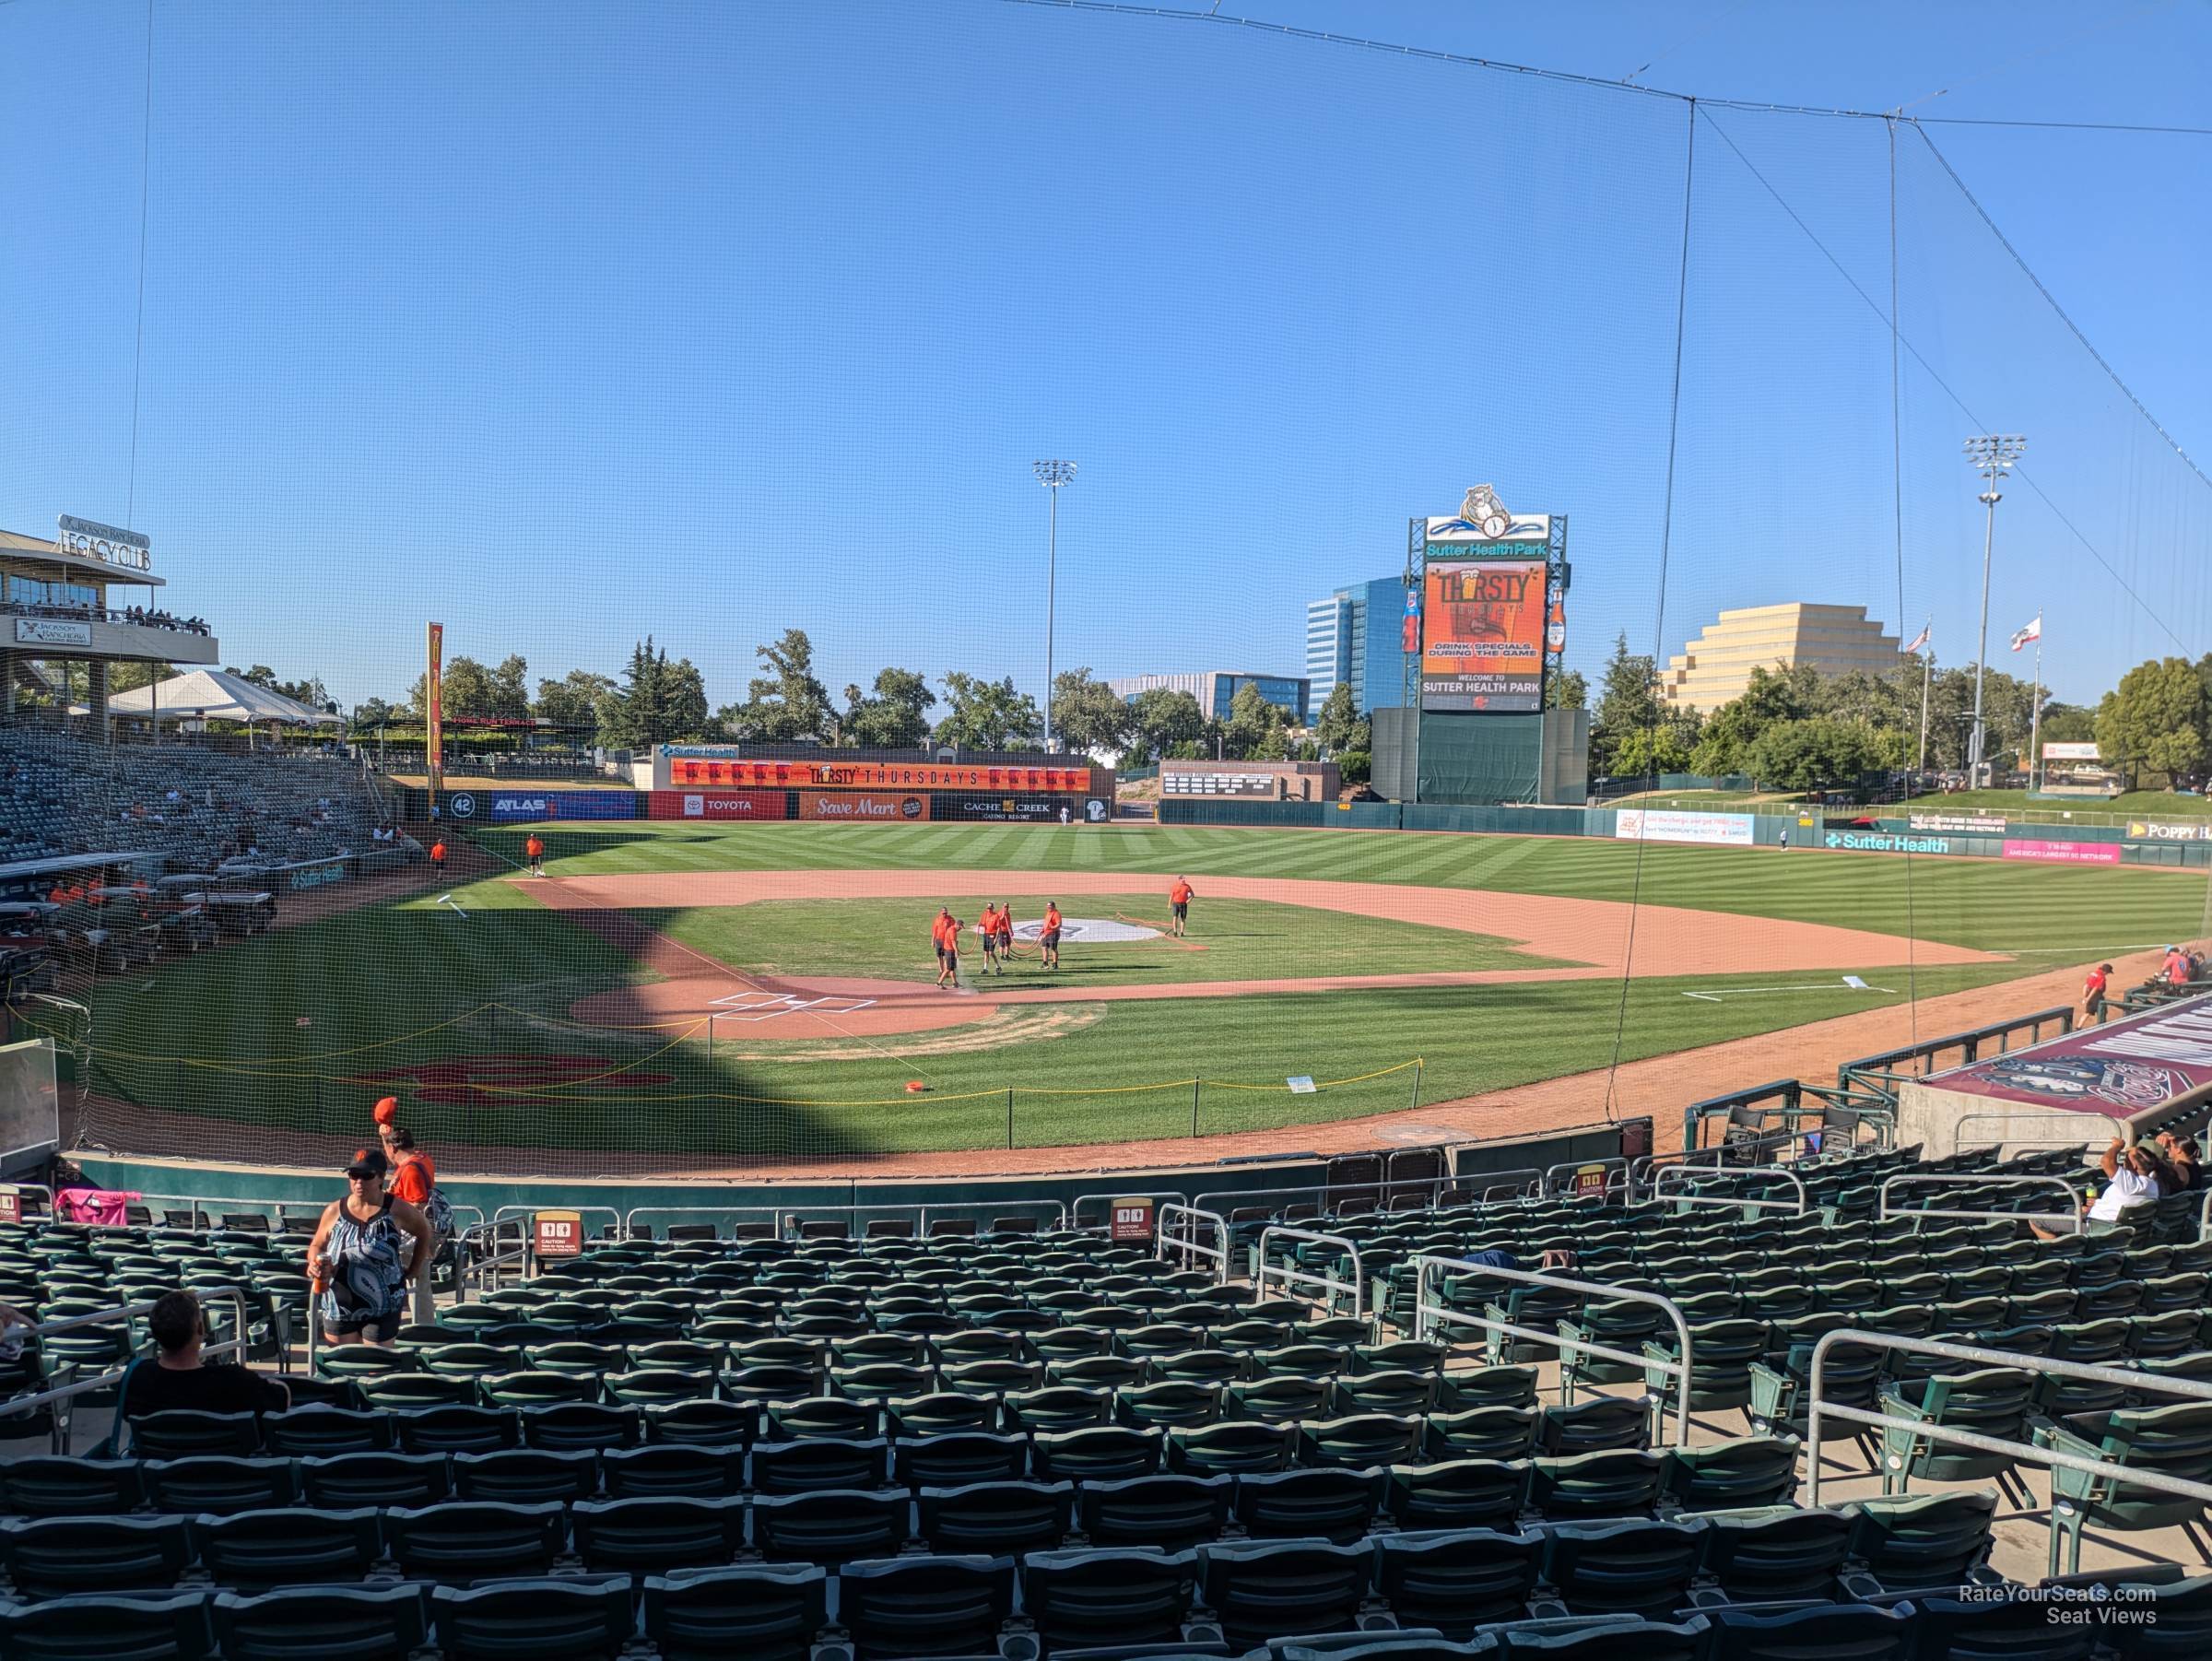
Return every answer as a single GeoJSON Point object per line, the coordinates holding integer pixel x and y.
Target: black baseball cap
{"type": "Point", "coordinates": [367, 1164]}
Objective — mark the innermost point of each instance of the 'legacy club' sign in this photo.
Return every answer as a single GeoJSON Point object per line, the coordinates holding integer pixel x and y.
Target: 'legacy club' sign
{"type": "Point", "coordinates": [97, 541]}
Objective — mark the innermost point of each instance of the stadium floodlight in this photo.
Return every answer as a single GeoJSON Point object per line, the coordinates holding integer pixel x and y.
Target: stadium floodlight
{"type": "Point", "coordinates": [1052, 476]}
{"type": "Point", "coordinates": [1991, 454]}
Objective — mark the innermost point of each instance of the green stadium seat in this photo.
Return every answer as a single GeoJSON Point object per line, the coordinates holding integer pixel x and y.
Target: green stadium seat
{"type": "Point", "coordinates": [819, 1463]}
{"type": "Point", "coordinates": [568, 1426]}
{"type": "Point", "coordinates": [182, 1433]}
{"type": "Point", "coordinates": [647, 1534]}
{"type": "Point", "coordinates": [1457, 1493]}
{"type": "Point", "coordinates": [1338, 1505]}
{"type": "Point", "coordinates": [171, 1627]}
{"type": "Point", "coordinates": [815, 1418]}
{"type": "Point", "coordinates": [1481, 1433]}
{"type": "Point", "coordinates": [463, 1541]}
{"type": "Point", "coordinates": [763, 1611]}
{"type": "Point", "coordinates": [378, 1623]}
{"type": "Point", "coordinates": [349, 1481]}
{"type": "Point", "coordinates": [2174, 1442]}
{"type": "Point", "coordinates": [1359, 1441]}
{"type": "Point", "coordinates": [1616, 1482]}
{"type": "Point", "coordinates": [49, 1486]}
{"type": "Point", "coordinates": [310, 1431]}
{"type": "Point", "coordinates": [931, 1605]}
{"type": "Point", "coordinates": [1992, 1401]}
{"type": "Point", "coordinates": [1261, 1589]}
{"type": "Point", "coordinates": [664, 1469]}
{"type": "Point", "coordinates": [1455, 1581]}
{"type": "Point", "coordinates": [1774, 1553]}
{"type": "Point", "coordinates": [219, 1484]}
{"type": "Point", "coordinates": [1170, 1512]}
{"type": "Point", "coordinates": [58, 1557]}
{"type": "Point", "coordinates": [953, 1459]}
{"type": "Point", "coordinates": [1635, 1567]}
{"type": "Point", "coordinates": [1912, 1542]}
{"type": "Point", "coordinates": [1731, 1476]}
{"type": "Point", "coordinates": [996, 1518]}
{"type": "Point", "coordinates": [255, 1550]}
{"type": "Point", "coordinates": [1098, 1454]}
{"type": "Point", "coordinates": [1592, 1426]}
{"type": "Point", "coordinates": [1852, 1633]}
{"type": "Point", "coordinates": [541, 1619]}
{"type": "Point", "coordinates": [702, 1423]}
{"type": "Point", "coordinates": [831, 1526]}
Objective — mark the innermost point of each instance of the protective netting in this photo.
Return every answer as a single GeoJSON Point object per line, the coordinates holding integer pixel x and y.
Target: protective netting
{"type": "Point", "coordinates": [669, 329]}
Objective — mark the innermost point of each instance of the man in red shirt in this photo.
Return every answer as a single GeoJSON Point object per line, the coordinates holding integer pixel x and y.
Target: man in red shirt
{"type": "Point", "coordinates": [438, 857]}
{"type": "Point", "coordinates": [987, 926]}
{"type": "Point", "coordinates": [941, 934]}
{"type": "Point", "coordinates": [1050, 937]}
{"type": "Point", "coordinates": [2093, 991]}
{"type": "Point", "coordinates": [1179, 907]}
{"type": "Point", "coordinates": [1004, 931]}
{"type": "Point", "coordinates": [2177, 967]}
{"type": "Point", "coordinates": [534, 851]}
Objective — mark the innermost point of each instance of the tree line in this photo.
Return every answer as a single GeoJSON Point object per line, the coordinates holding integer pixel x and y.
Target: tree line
{"type": "Point", "coordinates": [1799, 729]}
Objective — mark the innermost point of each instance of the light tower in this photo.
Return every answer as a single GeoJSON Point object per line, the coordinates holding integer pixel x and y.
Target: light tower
{"type": "Point", "coordinates": [1052, 476]}
{"type": "Point", "coordinates": [1992, 456]}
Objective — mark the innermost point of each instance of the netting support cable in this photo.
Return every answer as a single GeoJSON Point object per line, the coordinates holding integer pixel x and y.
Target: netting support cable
{"type": "Point", "coordinates": [146, 151]}
{"type": "Point", "coordinates": [1666, 537]}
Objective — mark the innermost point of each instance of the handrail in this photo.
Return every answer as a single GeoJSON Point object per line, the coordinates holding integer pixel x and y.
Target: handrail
{"type": "Point", "coordinates": [471, 1281]}
{"type": "Point", "coordinates": [2071, 1219]}
{"type": "Point", "coordinates": [629, 1226]}
{"type": "Point", "coordinates": [1424, 1314]}
{"type": "Point", "coordinates": [1303, 1278]}
{"type": "Point", "coordinates": [2075, 1141]}
{"type": "Point", "coordinates": [2204, 1217]}
{"type": "Point", "coordinates": [783, 1216]}
{"type": "Point", "coordinates": [1814, 1408]}
{"type": "Point", "coordinates": [35, 1188]}
{"type": "Point", "coordinates": [1659, 1188]}
{"type": "Point", "coordinates": [526, 1212]}
{"type": "Point", "coordinates": [1158, 1197]}
{"type": "Point", "coordinates": [59, 1436]}
{"type": "Point", "coordinates": [1164, 1229]}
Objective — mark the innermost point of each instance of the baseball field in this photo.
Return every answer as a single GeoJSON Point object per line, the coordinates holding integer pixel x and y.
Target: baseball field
{"type": "Point", "coordinates": [730, 993]}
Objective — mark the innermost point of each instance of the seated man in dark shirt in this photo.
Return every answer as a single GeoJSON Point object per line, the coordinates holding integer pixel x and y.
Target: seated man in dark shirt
{"type": "Point", "coordinates": [175, 1378]}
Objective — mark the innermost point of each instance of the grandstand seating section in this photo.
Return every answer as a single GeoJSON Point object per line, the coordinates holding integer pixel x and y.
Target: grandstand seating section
{"type": "Point", "coordinates": [1043, 1442]}
{"type": "Point", "coordinates": [60, 795]}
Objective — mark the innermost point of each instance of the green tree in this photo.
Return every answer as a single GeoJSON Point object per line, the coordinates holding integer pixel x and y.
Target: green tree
{"type": "Point", "coordinates": [988, 715]}
{"type": "Point", "coordinates": [785, 704]}
{"type": "Point", "coordinates": [1654, 750]}
{"type": "Point", "coordinates": [1569, 688]}
{"type": "Point", "coordinates": [375, 712]}
{"type": "Point", "coordinates": [1628, 701]}
{"type": "Point", "coordinates": [1812, 752]}
{"type": "Point", "coordinates": [1338, 727]}
{"type": "Point", "coordinates": [464, 690]}
{"type": "Point", "coordinates": [658, 701]}
{"type": "Point", "coordinates": [510, 689]}
{"type": "Point", "coordinates": [1254, 727]}
{"type": "Point", "coordinates": [1164, 720]}
{"type": "Point", "coordinates": [1088, 715]}
{"type": "Point", "coordinates": [894, 717]}
{"type": "Point", "coordinates": [575, 700]}
{"type": "Point", "coordinates": [126, 675]}
{"type": "Point", "coordinates": [2154, 724]}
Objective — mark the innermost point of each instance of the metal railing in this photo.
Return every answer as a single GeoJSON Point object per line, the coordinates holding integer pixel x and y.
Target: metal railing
{"type": "Point", "coordinates": [2071, 1219]}
{"type": "Point", "coordinates": [1816, 1407]}
{"type": "Point", "coordinates": [2204, 1217]}
{"type": "Point", "coordinates": [62, 1429]}
{"type": "Point", "coordinates": [1158, 1198]}
{"type": "Point", "coordinates": [1330, 1284]}
{"type": "Point", "coordinates": [1425, 1313]}
{"type": "Point", "coordinates": [1381, 1186]}
{"type": "Point", "coordinates": [1764, 1173]}
{"type": "Point", "coordinates": [1177, 1227]}
{"type": "Point", "coordinates": [782, 1216]}
{"type": "Point", "coordinates": [523, 1213]}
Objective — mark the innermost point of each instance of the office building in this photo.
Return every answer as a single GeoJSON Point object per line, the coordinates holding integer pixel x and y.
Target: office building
{"type": "Point", "coordinates": [1356, 635]}
{"type": "Point", "coordinates": [1715, 669]}
{"type": "Point", "coordinates": [1216, 689]}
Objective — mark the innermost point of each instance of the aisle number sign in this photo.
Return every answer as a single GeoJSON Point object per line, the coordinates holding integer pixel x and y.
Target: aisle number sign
{"type": "Point", "coordinates": [557, 1233]}
{"type": "Point", "coordinates": [1132, 1219]}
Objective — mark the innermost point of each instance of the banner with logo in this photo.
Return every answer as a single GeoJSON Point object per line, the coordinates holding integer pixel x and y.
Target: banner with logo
{"type": "Point", "coordinates": [1008, 809]}
{"type": "Point", "coordinates": [1482, 643]}
{"type": "Point", "coordinates": [1883, 841]}
{"type": "Point", "coordinates": [863, 807]}
{"type": "Point", "coordinates": [2184, 830]}
{"type": "Point", "coordinates": [716, 804]}
{"type": "Point", "coordinates": [1669, 825]}
{"type": "Point", "coordinates": [52, 631]}
{"type": "Point", "coordinates": [1959, 823]}
{"type": "Point", "coordinates": [2064, 854]}
{"type": "Point", "coordinates": [521, 806]}
{"type": "Point", "coordinates": [696, 765]}
{"type": "Point", "coordinates": [2129, 1065]}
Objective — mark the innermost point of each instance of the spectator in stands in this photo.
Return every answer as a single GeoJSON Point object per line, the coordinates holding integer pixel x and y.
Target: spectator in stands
{"type": "Point", "coordinates": [359, 1262]}
{"type": "Point", "coordinates": [2180, 1155]}
{"type": "Point", "coordinates": [2132, 1178]}
{"type": "Point", "coordinates": [2093, 991]}
{"type": "Point", "coordinates": [178, 1378]}
{"type": "Point", "coordinates": [2180, 968]}
{"type": "Point", "coordinates": [413, 1180]}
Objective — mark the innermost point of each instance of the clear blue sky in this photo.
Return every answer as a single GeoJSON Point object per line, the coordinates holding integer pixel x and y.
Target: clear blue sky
{"type": "Point", "coordinates": [565, 323]}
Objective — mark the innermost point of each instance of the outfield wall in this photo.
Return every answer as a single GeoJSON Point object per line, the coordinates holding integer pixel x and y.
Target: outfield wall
{"type": "Point", "coordinates": [1885, 838]}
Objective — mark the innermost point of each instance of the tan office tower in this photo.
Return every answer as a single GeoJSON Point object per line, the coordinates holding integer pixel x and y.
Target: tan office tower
{"type": "Point", "coordinates": [1716, 666]}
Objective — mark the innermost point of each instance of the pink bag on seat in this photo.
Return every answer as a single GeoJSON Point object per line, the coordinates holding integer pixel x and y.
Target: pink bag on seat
{"type": "Point", "coordinates": [102, 1207]}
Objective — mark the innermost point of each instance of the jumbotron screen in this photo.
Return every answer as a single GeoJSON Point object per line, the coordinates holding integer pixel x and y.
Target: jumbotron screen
{"type": "Point", "coordinates": [1482, 635]}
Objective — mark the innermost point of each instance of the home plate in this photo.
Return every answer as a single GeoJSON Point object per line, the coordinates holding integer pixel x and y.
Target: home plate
{"type": "Point", "coordinates": [767, 1006]}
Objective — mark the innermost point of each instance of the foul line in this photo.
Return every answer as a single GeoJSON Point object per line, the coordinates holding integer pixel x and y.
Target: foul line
{"type": "Point", "coordinates": [1714, 997]}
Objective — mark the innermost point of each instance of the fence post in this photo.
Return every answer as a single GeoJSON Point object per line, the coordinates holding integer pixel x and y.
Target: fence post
{"type": "Point", "coordinates": [1009, 1116]}
{"type": "Point", "coordinates": [1193, 1109]}
{"type": "Point", "coordinates": [1416, 1101]}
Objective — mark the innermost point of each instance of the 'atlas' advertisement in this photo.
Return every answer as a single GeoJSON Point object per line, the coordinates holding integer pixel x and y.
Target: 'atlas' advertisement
{"type": "Point", "coordinates": [1483, 635]}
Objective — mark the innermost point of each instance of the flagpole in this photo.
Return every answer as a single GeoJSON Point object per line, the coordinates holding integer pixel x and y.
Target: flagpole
{"type": "Point", "coordinates": [1927, 671]}
{"type": "Point", "coordinates": [2035, 709]}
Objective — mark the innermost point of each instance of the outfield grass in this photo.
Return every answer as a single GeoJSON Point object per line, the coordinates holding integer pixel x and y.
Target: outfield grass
{"type": "Point", "coordinates": [1233, 940]}
{"type": "Point", "coordinates": [222, 1034]}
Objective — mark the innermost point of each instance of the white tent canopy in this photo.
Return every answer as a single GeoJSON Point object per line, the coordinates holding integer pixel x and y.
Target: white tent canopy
{"type": "Point", "coordinates": [212, 695]}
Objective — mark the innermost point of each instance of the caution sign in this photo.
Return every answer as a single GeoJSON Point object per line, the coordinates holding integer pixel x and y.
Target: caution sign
{"type": "Point", "coordinates": [1131, 1220]}
{"type": "Point", "coordinates": [11, 1203]}
{"type": "Point", "coordinates": [1590, 1182]}
{"type": "Point", "coordinates": [557, 1234]}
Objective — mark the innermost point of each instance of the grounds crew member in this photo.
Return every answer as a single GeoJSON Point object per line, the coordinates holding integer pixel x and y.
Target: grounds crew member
{"type": "Point", "coordinates": [534, 851]}
{"type": "Point", "coordinates": [1006, 935]}
{"type": "Point", "coordinates": [1050, 937]}
{"type": "Point", "coordinates": [2092, 990]}
{"type": "Point", "coordinates": [949, 968]}
{"type": "Point", "coordinates": [1179, 907]}
{"type": "Point", "coordinates": [987, 926]}
{"type": "Point", "coordinates": [437, 856]}
{"type": "Point", "coordinates": [940, 934]}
